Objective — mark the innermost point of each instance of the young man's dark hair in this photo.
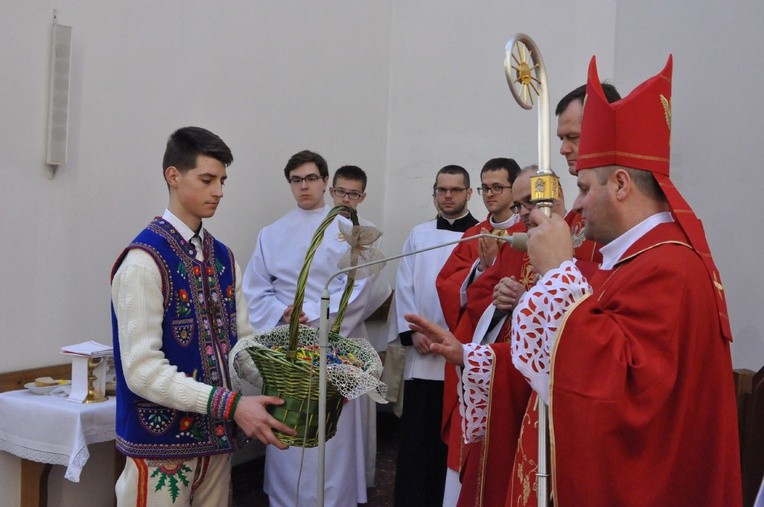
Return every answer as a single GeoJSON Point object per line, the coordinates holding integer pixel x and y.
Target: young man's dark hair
{"type": "Point", "coordinates": [350, 172]}
{"type": "Point", "coordinates": [579, 93]}
{"type": "Point", "coordinates": [453, 169]}
{"type": "Point", "coordinates": [304, 157]}
{"type": "Point", "coordinates": [512, 167]}
{"type": "Point", "coordinates": [187, 143]}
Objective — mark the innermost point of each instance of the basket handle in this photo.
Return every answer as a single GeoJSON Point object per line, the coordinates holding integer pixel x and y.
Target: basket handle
{"type": "Point", "coordinates": [299, 296]}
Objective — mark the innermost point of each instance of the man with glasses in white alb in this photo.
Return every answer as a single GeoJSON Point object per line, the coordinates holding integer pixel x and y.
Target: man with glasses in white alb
{"type": "Point", "coordinates": [349, 189]}
{"type": "Point", "coordinates": [421, 469]}
{"type": "Point", "coordinates": [269, 283]}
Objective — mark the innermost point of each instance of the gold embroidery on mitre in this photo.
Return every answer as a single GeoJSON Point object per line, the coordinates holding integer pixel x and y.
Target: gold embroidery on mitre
{"type": "Point", "coordinates": [666, 111]}
{"type": "Point", "coordinates": [622, 154]}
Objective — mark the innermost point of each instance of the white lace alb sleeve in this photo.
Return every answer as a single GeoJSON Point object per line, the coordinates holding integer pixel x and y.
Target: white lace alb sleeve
{"type": "Point", "coordinates": [537, 318]}
{"type": "Point", "coordinates": [474, 390]}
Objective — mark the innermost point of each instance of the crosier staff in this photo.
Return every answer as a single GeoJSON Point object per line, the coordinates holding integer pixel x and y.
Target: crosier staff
{"type": "Point", "coordinates": [526, 76]}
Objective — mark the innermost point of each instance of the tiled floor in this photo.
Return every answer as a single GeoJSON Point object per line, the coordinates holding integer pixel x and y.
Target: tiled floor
{"type": "Point", "coordinates": [247, 477]}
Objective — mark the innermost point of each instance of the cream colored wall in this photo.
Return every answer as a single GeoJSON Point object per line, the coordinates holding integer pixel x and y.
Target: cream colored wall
{"type": "Point", "coordinates": [400, 88]}
{"type": "Point", "coordinates": [270, 78]}
{"type": "Point", "coordinates": [717, 110]}
{"type": "Point", "coordinates": [449, 99]}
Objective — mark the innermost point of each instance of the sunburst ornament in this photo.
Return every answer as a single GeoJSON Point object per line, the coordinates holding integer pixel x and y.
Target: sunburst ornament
{"type": "Point", "coordinates": [524, 81]}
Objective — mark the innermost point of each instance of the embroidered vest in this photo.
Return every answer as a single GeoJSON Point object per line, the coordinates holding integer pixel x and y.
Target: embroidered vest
{"type": "Point", "coordinates": [198, 331]}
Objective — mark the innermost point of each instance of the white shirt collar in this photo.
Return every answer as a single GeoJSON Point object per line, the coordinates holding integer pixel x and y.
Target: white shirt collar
{"type": "Point", "coordinates": [318, 211]}
{"type": "Point", "coordinates": [180, 226]}
{"type": "Point", "coordinates": [613, 251]}
{"type": "Point", "coordinates": [506, 224]}
{"type": "Point", "coordinates": [452, 220]}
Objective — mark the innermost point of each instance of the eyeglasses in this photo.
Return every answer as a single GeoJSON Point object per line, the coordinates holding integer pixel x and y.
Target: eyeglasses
{"type": "Point", "coordinates": [353, 196]}
{"type": "Point", "coordinates": [515, 208]}
{"type": "Point", "coordinates": [311, 178]}
{"type": "Point", "coordinates": [493, 189]}
{"type": "Point", "coordinates": [441, 191]}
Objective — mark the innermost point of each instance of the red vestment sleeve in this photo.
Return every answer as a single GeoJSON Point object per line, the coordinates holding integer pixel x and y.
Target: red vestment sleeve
{"type": "Point", "coordinates": [454, 272]}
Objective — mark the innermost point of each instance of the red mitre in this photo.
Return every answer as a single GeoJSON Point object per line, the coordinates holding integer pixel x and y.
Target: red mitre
{"type": "Point", "coordinates": [636, 132]}
{"type": "Point", "coordinates": [632, 132]}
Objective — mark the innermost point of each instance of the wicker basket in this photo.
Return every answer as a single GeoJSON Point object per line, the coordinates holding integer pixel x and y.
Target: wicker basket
{"type": "Point", "coordinates": [295, 380]}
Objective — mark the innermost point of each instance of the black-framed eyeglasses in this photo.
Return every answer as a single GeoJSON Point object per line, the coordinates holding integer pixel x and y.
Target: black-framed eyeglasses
{"type": "Point", "coordinates": [493, 189]}
{"type": "Point", "coordinates": [515, 208]}
{"type": "Point", "coordinates": [311, 178]}
{"type": "Point", "coordinates": [441, 191]}
{"type": "Point", "coordinates": [353, 196]}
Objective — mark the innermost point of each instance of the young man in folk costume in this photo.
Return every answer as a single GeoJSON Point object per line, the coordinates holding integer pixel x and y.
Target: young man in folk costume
{"type": "Point", "coordinates": [177, 310]}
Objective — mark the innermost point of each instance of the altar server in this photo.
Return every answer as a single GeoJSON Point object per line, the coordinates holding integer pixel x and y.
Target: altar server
{"type": "Point", "coordinates": [270, 282]}
{"type": "Point", "coordinates": [421, 470]}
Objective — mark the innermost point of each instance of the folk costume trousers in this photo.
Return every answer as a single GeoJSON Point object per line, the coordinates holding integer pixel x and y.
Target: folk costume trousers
{"type": "Point", "coordinates": [169, 483]}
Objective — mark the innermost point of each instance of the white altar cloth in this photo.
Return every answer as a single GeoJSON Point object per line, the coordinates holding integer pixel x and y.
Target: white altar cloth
{"type": "Point", "coordinates": [51, 429]}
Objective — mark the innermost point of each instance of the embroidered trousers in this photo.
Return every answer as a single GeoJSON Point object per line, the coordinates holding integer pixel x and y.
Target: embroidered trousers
{"type": "Point", "coordinates": [153, 483]}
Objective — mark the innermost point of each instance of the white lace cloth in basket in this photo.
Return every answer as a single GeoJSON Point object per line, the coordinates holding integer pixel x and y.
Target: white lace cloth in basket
{"type": "Point", "coordinates": [51, 429]}
{"type": "Point", "coordinates": [350, 381]}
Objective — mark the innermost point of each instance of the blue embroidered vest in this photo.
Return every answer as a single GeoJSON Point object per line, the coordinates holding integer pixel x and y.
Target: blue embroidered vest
{"type": "Point", "coordinates": [199, 330]}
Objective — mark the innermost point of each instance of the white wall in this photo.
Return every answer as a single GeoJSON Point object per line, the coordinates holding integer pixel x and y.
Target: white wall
{"type": "Point", "coordinates": [400, 88]}
{"type": "Point", "coordinates": [717, 109]}
{"type": "Point", "coordinates": [449, 99]}
{"type": "Point", "coordinates": [270, 78]}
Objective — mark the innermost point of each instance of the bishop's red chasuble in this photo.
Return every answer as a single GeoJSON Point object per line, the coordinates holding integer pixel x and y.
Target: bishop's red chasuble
{"type": "Point", "coordinates": [642, 404]}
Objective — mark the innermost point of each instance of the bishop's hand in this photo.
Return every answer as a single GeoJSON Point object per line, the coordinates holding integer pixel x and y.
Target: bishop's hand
{"type": "Point", "coordinates": [444, 343]}
{"type": "Point", "coordinates": [549, 241]}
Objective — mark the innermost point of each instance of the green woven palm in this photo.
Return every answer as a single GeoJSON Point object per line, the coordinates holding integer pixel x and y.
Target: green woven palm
{"type": "Point", "coordinates": [295, 380]}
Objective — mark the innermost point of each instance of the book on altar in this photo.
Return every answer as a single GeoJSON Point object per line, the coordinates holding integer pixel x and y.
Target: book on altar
{"type": "Point", "coordinates": [82, 354]}
{"type": "Point", "coordinates": [90, 348]}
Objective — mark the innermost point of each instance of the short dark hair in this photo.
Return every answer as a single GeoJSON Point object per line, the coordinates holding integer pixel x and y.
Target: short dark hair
{"type": "Point", "coordinates": [611, 94]}
{"type": "Point", "coordinates": [643, 180]}
{"type": "Point", "coordinates": [304, 157]}
{"type": "Point", "coordinates": [453, 169]}
{"type": "Point", "coordinates": [495, 164]}
{"type": "Point", "coordinates": [186, 144]}
{"type": "Point", "coordinates": [350, 172]}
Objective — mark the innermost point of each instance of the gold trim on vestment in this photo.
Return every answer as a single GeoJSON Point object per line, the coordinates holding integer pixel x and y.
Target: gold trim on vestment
{"type": "Point", "coordinates": [623, 154]}
{"type": "Point", "coordinates": [551, 385]}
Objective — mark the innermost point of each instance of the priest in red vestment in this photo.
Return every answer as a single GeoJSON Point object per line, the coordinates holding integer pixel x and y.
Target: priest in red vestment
{"type": "Point", "coordinates": [635, 361]}
{"type": "Point", "coordinates": [467, 263]}
{"type": "Point", "coordinates": [486, 465]}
